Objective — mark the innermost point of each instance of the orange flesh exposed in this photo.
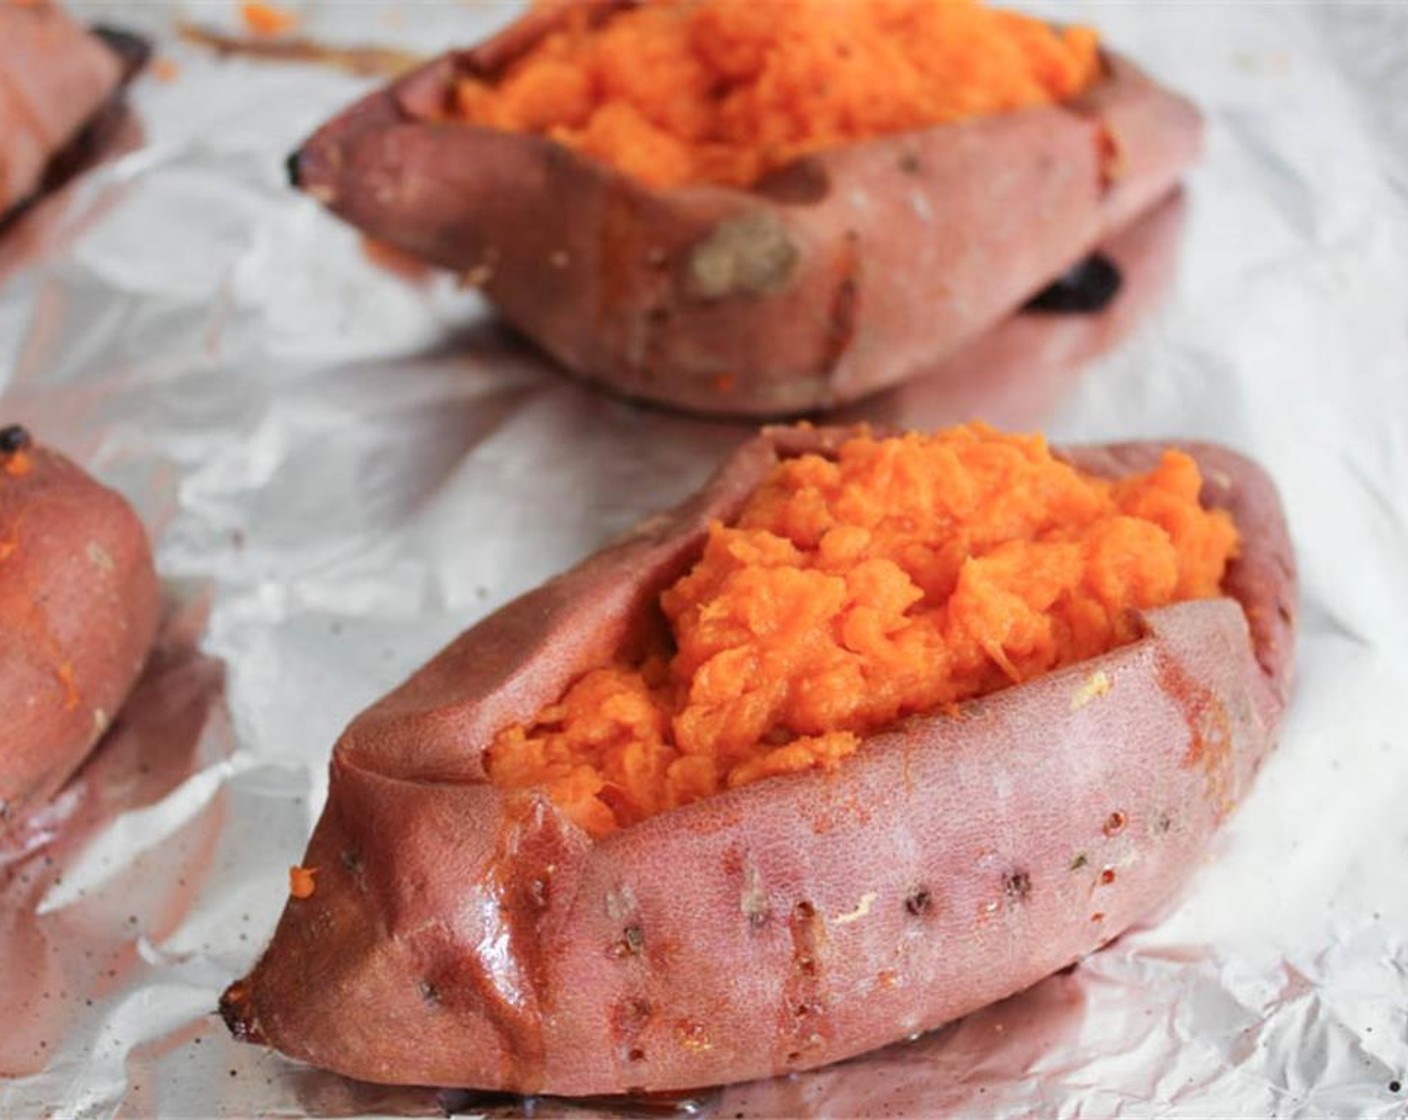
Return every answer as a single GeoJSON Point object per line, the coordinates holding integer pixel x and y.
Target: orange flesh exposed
{"type": "Point", "coordinates": [906, 575]}
{"type": "Point", "coordinates": [724, 91]}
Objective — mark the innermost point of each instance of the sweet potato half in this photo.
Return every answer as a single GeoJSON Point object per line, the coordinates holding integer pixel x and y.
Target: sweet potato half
{"type": "Point", "coordinates": [57, 81]}
{"type": "Point", "coordinates": [842, 273]}
{"type": "Point", "coordinates": [79, 603]}
{"type": "Point", "coordinates": [444, 931]}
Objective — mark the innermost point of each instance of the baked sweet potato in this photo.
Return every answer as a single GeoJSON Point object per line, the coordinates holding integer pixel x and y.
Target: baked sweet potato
{"type": "Point", "coordinates": [56, 80]}
{"type": "Point", "coordinates": [444, 930]}
{"type": "Point", "coordinates": [846, 271]}
{"type": "Point", "coordinates": [79, 602]}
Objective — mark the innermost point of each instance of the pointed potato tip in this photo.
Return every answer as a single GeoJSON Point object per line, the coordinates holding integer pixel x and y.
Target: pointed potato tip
{"type": "Point", "coordinates": [133, 51]}
{"type": "Point", "coordinates": [237, 1009]}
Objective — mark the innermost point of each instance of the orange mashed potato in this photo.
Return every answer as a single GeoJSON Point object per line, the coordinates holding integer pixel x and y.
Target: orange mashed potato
{"type": "Point", "coordinates": [907, 575]}
{"type": "Point", "coordinates": [724, 91]}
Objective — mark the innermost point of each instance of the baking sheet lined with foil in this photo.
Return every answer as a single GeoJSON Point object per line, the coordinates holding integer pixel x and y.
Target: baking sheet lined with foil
{"type": "Point", "coordinates": [344, 466]}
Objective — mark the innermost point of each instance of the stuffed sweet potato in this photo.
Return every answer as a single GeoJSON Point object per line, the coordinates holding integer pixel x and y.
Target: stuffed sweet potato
{"type": "Point", "coordinates": [788, 774]}
{"type": "Point", "coordinates": [57, 80]}
{"type": "Point", "coordinates": [79, 602]}
{"type": "Point", "coordinates": [863, 255]}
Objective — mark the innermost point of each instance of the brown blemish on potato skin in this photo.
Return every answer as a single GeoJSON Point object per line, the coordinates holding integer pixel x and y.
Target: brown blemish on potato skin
{"type": "Point", "coordinates": [754, 900]}
{"type": "Point", "coordinates": [805, 985]}
{"type": "Point", "coordinates": [629, 1018]}
{"type": "Point", "coordinates": [1210, 742]}
{"type": "Point", "coordinates": [1016, 887]}
{"type": "Point", "coordinates": [1110, 156]}
{"type": "Point", "coordinates": [1114, 823]}
{"type": "Point", "coordinates": [749, 255]}
{"type": "Point", "coordinates": [1080, 860]}
{"type": "Point", "coordinates": [919, 902]}
{"type": "Point", "coordinates": [356, 868]}
{"type": "Point", "coordinates": [845, 306]}
{"type": "Point", "coordinates": [631, 943]}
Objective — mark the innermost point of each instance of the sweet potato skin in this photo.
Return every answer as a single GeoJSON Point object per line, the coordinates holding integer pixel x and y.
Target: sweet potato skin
{"type": "Point", "coordinates": [54, 75]}
{"type": "Point", "coordinates": [461, 935]}
{"type": "Point", "coordinates": [79, 603]}
{"type": "Point", "coordinates": [842, 274]}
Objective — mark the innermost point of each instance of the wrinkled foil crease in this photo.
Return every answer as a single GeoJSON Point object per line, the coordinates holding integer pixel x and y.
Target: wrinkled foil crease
{"type": "Point", "coordinates": [344, 468]}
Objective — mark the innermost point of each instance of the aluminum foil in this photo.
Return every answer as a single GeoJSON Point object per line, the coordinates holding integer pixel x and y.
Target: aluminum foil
{"type": "Point", "coordinates": [344, 466]}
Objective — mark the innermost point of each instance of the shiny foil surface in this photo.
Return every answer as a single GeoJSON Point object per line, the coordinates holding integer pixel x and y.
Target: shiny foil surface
{"type": "Point", "coordinates": [344, 464]}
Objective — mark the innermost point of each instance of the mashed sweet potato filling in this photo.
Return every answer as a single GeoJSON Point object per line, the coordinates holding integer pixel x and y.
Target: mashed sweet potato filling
{"type": "Point", "coordinates": [724, 91]}
{"type": "Point", "coordinates": [906, 575]}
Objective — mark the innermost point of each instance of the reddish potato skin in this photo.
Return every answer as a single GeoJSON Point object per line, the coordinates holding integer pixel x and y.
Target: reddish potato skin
{"type": "Point", "coordinates": [54, 75]}
{"type": "Point", "coordinates": [463, 936]}
{"type": "Point", "coordinates": [844, 273]}
{"type": "Point", "coordinates": [1015, 374]}
{"type": "Point", "coordinates": [79, 602]}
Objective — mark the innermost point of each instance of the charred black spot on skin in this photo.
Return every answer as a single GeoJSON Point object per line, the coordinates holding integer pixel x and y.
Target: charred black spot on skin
{"type": "Point", "coordinates": [1016, 887]}
{"type": "Point", "coordinates": [1086, 288]}
{"type": "Point", "coordinates": [14, 438]}
{"type": "Point", "coordinates": [919, 902]}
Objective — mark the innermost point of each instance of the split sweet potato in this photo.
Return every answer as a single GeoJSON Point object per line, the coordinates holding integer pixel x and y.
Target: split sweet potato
{"type": "Point", "coordinates": [448, 931]}
{"type": "Point", "coordinates": [57, 79]}
{"type": "Point", "coordinates": [846, 271]}
{"type": "Point", "coordinates": [79, 602]}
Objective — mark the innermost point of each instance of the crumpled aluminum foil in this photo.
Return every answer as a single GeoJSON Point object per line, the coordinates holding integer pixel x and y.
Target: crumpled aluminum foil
{"type": "Point", "coordinates": [344, 467]}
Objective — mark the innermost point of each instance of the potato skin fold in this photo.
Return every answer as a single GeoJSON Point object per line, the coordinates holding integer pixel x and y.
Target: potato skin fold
{"type": "Point", "coordinates": [844, 273]}
{"type": "Point", "coordinates": [79, 604]}
{"type": "Point", "coordinates": [461, 935]}
{"type": "Point", "coordinates": [54, 76]}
